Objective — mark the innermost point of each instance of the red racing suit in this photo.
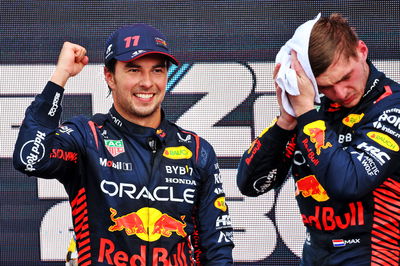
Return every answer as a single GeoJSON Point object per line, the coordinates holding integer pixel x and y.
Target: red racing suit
{"type": "Point", "coordinates": [345, 164]}
{"type": "Point", "coordinates": [139, 196]}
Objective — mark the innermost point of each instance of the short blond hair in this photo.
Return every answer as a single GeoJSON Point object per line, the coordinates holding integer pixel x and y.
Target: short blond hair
{"type": "Point", "coordinates": [330, 37]}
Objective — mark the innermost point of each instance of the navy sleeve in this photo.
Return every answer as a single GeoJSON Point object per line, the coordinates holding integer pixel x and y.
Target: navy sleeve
{"type": "Point", "coordinates": [266, 163]}
{"type": "Point", "coordinates": [43, 148]}
{"type": "Point", "coordinates": [349, 173]}
{"type": "Point", "coordinates": [214, 223]}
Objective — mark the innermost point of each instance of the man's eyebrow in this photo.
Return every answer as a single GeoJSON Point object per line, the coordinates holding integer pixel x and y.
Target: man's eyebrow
{"type": "Point", "coordinates": [344, 76]}
{"type": "Point", "coordinates": [341, 79]}
{"type": "Point", "coordinates": [324, 87]}
{"type": "Point", "coordinates": [160, 65]}
{"type": "Point", "coordinates": [131, 64]}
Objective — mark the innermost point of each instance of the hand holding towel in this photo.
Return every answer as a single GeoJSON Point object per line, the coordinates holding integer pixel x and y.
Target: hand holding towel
{"type": "Point", "coordinates": [286, 77]}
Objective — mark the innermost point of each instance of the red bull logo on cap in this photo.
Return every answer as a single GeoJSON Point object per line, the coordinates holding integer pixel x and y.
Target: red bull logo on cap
{"type": "Point", "coordinates": [316, 131]}
{"type": "Point", "coordinates": [309, 186]}
{"type": "Point", "coordinates": [149, 224]}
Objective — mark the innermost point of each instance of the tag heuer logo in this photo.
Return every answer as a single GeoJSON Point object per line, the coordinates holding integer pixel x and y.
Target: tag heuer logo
{"type": "Point", "coordinates": [115, 147]}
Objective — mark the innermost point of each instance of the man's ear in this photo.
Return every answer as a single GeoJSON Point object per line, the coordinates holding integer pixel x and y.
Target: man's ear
{"type": "Point", "coordinates": [109, 78]}
{"type": "Point", "coordinates": [362, 50]}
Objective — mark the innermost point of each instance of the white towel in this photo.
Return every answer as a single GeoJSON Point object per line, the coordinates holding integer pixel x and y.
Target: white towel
{"type": "Point", "coordinates": [286, 77]}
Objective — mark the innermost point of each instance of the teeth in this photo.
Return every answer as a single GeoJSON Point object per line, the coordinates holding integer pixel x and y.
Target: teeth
{"type": "Point", "coordinates": [144, 96]}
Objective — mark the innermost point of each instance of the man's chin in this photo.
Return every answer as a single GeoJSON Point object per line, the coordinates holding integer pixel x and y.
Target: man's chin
{"type": "Point", "coordinates": [143, 112]}
{"type": "Point", "coordinates": [349, 104]}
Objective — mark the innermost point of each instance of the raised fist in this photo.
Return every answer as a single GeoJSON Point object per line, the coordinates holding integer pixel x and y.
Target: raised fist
{"type": "Point", "coordinates": [71, 61]}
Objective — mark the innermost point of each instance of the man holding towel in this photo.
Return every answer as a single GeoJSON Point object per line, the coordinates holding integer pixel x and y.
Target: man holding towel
{"type": "Point", "coordinates": [343, 156]}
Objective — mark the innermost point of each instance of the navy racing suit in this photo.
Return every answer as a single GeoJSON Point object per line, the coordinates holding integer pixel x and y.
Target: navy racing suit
{"type": "Point", "coordinates": [345, 164]}
{"type": "Point", "coordinates": [139, 196]}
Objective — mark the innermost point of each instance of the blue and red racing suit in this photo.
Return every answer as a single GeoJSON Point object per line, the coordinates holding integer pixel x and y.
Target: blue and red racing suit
{"type": "Point", "coordinates": [345, 164]}
{"type": "Point", "coordinates": [139, 196]}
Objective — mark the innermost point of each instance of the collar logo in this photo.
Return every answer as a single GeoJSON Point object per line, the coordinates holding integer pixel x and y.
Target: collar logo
{"type": "Point", "coordinates": [187, 139]}
{"type": "Point", "coordinates": [161, 133]}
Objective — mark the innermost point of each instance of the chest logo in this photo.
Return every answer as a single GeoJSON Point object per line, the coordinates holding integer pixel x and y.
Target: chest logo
{"type": "Point", "coordinates": [149, 224]}
{"type": "Point", "coordinates": [309, 186]}
{"type": "Point", "coordinates": [352, 119]}
{"type": "Point", "coordinates": [316, 131]}
{"type": "Point", "coordinates": [383, 140]}
{"type": "Point", "coordinates": [114, 147]}
{"type": "Point", "coordinates": [177, 153]}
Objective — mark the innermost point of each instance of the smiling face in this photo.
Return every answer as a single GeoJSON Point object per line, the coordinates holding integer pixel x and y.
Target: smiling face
{"type": "Point", "coordinates": [138, 88]}
{"type": "Point", "coordinates": [345, 79]}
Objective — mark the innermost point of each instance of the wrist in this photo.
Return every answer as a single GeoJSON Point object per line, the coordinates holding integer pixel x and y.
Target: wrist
{"type": "Point", "coordinates": [301, 111]}
{"type": "Point", "coordinates": [287, 123]}
{"type": "Point", "coordinates": [60, 77]}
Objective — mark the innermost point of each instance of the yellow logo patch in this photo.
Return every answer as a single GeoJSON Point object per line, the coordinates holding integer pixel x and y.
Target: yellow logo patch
{"type": "Point", "coordinates": [177, 153]}
{"type": "Point", "coordinates": [220, 204]}
{"type": "Point", "coordinates": [316, 131]}
{"type": "Point", "coordinates": [309, 186]}
{"type": "Point", "coordinates": [148, 224]}
{"type": "Point", "coordinates": [383, 140]}
{"type": "Point", "coordinates": [352, 119]}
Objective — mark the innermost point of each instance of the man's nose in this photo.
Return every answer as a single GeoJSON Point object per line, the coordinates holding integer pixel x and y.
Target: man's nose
{"type": "Point", "coordinates": [146, 80]}
{"type": "Point", "coordinates": [340, 92]}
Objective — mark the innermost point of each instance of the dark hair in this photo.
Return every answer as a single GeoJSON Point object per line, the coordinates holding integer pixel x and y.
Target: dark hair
{"type": "Point", "coordinates": [110, 65]}
{"type": "Point", "coordinates": [330, 37]}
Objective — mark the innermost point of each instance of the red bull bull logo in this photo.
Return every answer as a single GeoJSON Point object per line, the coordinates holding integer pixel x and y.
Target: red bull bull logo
{"type": "Point", "coordinates": [165, 225]}
{"type": "Point", "coordinates": [309, 186]}
{"type": "Point", "coordinates": [161, 133]}
{"type": "Point", "coordinates": [149, 224]}
{"type": "Point", "coordinates": [131, 223]}
{"type": "Point", "coordinates": [316, 132]}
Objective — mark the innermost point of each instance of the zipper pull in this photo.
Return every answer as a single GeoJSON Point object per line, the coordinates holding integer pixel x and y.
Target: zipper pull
{"type": "Point", "coordinates": [152, 144]}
